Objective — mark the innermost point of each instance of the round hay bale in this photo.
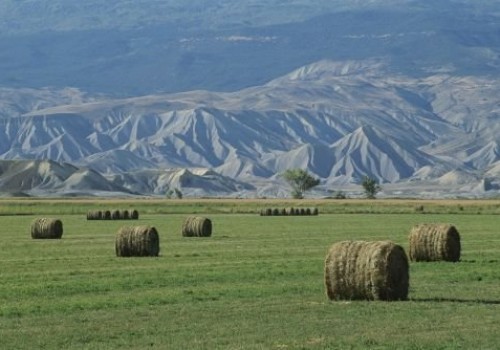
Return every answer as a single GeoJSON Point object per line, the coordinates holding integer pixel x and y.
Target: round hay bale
{"type": "Point", "coordinates": [106, 215]}
{"type": "Point", "coordinates": [94, 215]}
{"type": "Point", "coordinates": [46, 228]}
{"type": "Point", "coordinates": [434, 242]}
{"type": "Point", "coordinates": [359, 270]}
{"type": "Point", "coordinates": [137, 241]}
{"type": "Point", "coordinates": [115, 214]}
{"type": "Point", "coordinates": [196, 226]}
{"type": "Point", "coordinates": [134, 214]}
{"type": "Point", "coordinates": [124, 214]}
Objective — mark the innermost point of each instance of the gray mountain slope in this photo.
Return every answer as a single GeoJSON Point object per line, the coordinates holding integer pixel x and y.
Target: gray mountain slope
{"type": "Point", "coordinates": [340, 120]}
{"type": "Point", "coordinates": [46, 177]}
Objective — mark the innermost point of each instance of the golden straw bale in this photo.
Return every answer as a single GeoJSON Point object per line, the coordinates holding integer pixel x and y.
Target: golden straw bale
{"type": "Point", "coordinates": [434, 242]}
{"type": "Point", "coordinates": [115, 214]}
{"type": "Point", "coordinates": [46, 228]}
{"type": "Point", "coordinates": [134, 214]}
{"type": "Point", "coordinates": [137, 241]}
{"type": "Point", "coordinates": [196, 226]}
{"type": "Point", "coordinates": [124, 214]}
{"type": "Point", "coordinates": [359, 270]}
{"type": "Point", "coordinates": [94, 215]}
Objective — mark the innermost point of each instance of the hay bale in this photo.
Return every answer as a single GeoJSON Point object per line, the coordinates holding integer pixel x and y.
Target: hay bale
{"type": "Point", "coordinates": [106, 214]}
{"type": "Point", "coordinates": [94, 215]}
{"type": "Point", "coordinates": [434, 242]}
{"type": "Point", "coordinates": [137, 241]}
{"type": "Point", "coordinates": [266, 212]}
{"type": "Point", "coordinates": [124, 215]}
{"type": "Point", "coordinates": [359, 270]}
{"type": "Point", "coordinates": [134, 214]}
{"type": "Point", "coordinates": [196, 226]}
{"type": "Point", "coordinates": [46, 228]}
{"type": "Point", "coordinates": [115, 214]}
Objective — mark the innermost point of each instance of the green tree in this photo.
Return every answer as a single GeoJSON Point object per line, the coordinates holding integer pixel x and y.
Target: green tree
{"type": "Point", "coordinates": [178, 193]}
{"type": "Point", "coordinates": [300, 181]}
{"type": "Point", "coordinates": [171, 192]}
{"type": "Point", "coordinates": [371, 187]}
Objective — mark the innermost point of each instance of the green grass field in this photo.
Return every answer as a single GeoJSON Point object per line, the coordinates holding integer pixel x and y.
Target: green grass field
{"type": "Point", "coordinates": [257, 283]}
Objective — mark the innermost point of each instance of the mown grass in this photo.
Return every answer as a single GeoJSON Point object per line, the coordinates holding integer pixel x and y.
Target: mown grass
{"type": "Point", "coordinates": [68, 206]}
{"type": "Point", "coordinates": [256, 284]}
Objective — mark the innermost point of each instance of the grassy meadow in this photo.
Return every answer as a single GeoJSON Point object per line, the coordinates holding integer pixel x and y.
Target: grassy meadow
{"type": "Point", "coordinates": [257, 283]}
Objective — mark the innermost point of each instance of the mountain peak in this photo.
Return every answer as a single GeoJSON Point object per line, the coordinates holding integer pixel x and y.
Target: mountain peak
{"type": "Point", "coordinates": [328, 69]}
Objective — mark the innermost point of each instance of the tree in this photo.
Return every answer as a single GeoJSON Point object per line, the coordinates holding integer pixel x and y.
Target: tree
{"type": "Point", "coordinates": [300, 181]}
{"type": "Point", "coordinates": [178, 193]}
{"type": "Point", "coordinates": [170, 193]}
{"type": "Point", "coordinates": [371, 187]}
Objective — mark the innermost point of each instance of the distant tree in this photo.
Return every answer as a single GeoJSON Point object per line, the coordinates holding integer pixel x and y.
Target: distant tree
{"type": "Point", "coordinates": [300, 181]}
{"type": "Point", "coordinates": [371, 187]}
{"type": "Point", "coordinates": [175, 192]}
{"type": "Point", "coordinates": [340, 195]}
{"type": "Point", "coordinates": [178, 193]}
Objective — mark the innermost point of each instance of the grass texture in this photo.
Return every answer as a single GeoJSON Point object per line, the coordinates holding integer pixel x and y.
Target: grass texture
{"type": "Point", "coordinates": [257, 283]}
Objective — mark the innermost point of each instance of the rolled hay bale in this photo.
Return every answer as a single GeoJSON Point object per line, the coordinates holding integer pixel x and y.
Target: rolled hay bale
{"type": "Point", "coordinates": [106, 214]}
{"type": "Point", "coordinates": [134, 214]}
{"type": "Point", "coordinates": [315, 211]}
{"type": "Point", "coordinates": [137, 241]}
{"type": "Point", "coordinates": [124, 214]}
{"type": "Point", "coordinates": [266, 212]}
{"type": "Point", "coordinates": [434, 242]}
{"type": "Point", "coordinates": [115, 214]}
{"type": "Point", "coordinates": [46, 228]}
{"type": "Point", "coordinates": [197, 226]}
{"type": "Point", "coordinates": [359, 270]}
{"type": "Point", "coordinates": [94, 215]}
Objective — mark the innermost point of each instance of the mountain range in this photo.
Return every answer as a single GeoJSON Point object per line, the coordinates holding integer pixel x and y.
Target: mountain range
{"type": "Point", "coordinates": [215, 99]}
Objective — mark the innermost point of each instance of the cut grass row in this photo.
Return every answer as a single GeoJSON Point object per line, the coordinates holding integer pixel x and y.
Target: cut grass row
{"type": "Point", "coordinates": [256, 284]}
{"type": "Point", "coordinates": [80, 206]}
